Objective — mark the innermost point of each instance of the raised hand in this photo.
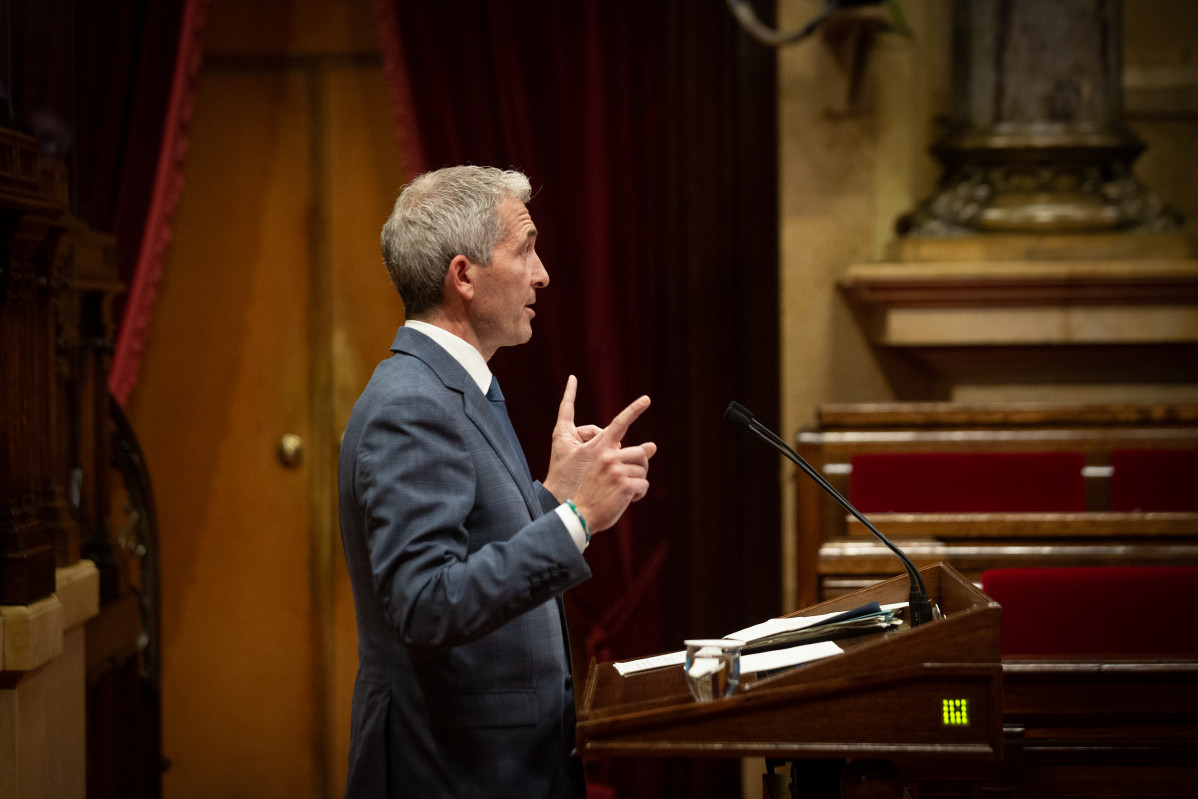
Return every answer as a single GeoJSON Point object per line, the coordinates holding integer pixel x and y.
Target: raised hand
{"type": "Point", "coordinates": [615, 475]}
{"type": "Point", "coordinates": [569, 455]}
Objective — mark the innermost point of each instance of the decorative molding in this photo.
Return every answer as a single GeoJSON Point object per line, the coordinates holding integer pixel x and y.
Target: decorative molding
{"type": "Point", "coordinates": [1016, 309]}
{"type": "Point", "coordinates": [1052, 197]}
{"type": "Point", "coordinates": [32, 635]}
{"type": "Point", "coordinates": [78, 589]}
{"type": "Point", "coordinates": [885, 287]}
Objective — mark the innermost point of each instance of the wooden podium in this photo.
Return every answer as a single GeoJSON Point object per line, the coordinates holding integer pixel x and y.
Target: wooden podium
{"type": "Point", "coordinates": [933, 691]}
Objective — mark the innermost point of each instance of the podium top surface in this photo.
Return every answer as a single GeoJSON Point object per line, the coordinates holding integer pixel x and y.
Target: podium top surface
{"type": "Point", "coordinates": [885, 694]}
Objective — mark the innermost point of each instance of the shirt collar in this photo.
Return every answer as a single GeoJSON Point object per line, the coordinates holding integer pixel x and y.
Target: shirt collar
{"type": "Point", "coordinates": [461, 351]}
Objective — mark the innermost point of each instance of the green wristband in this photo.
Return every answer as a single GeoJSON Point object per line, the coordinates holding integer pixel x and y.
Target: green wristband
{"type": "Point", "coordinates": [570, 504]}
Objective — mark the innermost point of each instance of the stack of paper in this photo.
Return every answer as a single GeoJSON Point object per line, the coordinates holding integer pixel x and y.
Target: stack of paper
{"type": "Point", "coordinates": [777, 633]}
{"type": "Point", "coordinates": [779, 643]}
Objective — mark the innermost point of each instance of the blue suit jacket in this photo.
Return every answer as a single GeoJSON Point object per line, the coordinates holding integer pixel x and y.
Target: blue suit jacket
{"type": "Point", "coordinates": [457, 566]}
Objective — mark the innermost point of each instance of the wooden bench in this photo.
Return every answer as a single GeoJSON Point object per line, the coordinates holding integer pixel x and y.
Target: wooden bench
{"type": "Point", "coordinates": [1095, 523]}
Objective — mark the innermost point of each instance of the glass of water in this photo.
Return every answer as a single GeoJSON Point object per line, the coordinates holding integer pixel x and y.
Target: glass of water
{"type": "Point", "coordinates": [712, 667]}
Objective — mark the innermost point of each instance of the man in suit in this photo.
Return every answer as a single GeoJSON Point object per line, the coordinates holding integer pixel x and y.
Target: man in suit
{"type": "Point", "coordinates": [456, 556]}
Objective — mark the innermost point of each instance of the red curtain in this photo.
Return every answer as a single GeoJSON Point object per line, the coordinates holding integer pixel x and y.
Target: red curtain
{"type": "Point", "coordinates": [135, 67]}
{"type": "Point", "coordinates": [648, 131]}
{"type": "Point", "coordinates": [149, 224]}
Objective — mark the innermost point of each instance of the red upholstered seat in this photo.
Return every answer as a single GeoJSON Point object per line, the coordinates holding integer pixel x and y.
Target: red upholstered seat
{"type": "Point", "coordinates": [1154, 480]}
{"type": "Point", "coordinates": [968, 482]}
{"type": "Point", "coordinates": [1127, 611]}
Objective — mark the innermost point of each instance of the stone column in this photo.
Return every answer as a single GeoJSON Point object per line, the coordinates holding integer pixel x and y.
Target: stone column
{"type": "Point", "coordinates": [1038, 142]}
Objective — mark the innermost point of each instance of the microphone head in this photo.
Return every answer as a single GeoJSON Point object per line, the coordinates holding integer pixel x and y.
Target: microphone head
{"type": "Point", "coordinates": [738, 416]}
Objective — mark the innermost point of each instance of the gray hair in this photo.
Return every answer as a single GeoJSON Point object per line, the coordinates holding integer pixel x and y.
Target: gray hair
{"type": "Point", "coordinates": [438, 216]}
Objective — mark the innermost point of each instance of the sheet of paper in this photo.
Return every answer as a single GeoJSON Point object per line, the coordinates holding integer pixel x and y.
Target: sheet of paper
{"type": "Point", "coordinates": [777, 626]}
{"type": "Point", "coordinates": [791, 656]}
{"type": "Point", "coordinates": [655, 662]}
{"type": "Point", "coordinates": [758, 661]}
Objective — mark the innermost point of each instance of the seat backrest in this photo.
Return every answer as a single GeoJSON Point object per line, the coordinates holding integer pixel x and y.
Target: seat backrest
{"type": "Point", "coordinates": [1123, 611]}
{"type": "Point", "coordinates": [968, 482]}
{"type": "Point", "coordinates": [1154, 480]}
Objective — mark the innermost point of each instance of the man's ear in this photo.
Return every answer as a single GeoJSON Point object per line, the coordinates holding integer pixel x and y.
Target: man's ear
{"type": "Point", "coordinates": [459, 279]}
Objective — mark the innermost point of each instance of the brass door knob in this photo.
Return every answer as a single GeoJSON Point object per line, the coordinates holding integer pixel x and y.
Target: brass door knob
{"type": "Point", "coordinates": [291, 450]}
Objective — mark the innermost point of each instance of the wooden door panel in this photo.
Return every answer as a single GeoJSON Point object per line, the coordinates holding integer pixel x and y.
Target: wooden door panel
{"type": "Point", "coordinates": [224, 376]}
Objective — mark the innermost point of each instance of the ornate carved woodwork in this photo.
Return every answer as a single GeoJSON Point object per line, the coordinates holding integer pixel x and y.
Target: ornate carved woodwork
{"type": "Point", "coordinates": [57, 282]}
{"type": "Point", "coordinates": [65, 453]}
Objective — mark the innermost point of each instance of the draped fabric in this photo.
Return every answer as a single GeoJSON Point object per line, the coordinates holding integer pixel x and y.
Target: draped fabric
{"type": "Point", "coordinates": [137, 62]}
{"type": "Point", "coordinates": [648, 132]}
{"type": "Point", "coordinates": [107, 88]}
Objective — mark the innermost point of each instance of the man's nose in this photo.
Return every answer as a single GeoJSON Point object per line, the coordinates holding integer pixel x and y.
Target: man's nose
{"type": "Point", "coordinates": [540, 277]}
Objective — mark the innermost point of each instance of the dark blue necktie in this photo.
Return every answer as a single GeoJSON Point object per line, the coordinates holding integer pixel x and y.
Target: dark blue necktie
{"type": "Point", "coordinates": [496, 398]}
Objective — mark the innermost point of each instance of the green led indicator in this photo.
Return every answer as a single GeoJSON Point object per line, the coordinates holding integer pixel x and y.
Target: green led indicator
{"type": "Point", "coordinates": [956, 712]}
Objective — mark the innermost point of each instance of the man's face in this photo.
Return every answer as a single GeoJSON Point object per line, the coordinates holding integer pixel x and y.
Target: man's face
{"type": "Point", "coordinates": [506, 290]}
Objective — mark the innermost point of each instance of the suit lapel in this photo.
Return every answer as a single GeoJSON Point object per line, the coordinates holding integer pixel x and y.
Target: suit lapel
{"type": "Point", "coordinates": [475, 404]}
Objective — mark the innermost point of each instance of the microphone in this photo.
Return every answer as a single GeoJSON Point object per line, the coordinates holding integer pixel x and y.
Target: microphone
{"type": "Point", "coordinates": [741, 418]}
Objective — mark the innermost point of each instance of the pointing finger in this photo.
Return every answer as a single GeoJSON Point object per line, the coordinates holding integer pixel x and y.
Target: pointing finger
{"type": "Point", "coordinates": [565, 411]}
{"type": "Point", "coordinates": [624, 419]}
